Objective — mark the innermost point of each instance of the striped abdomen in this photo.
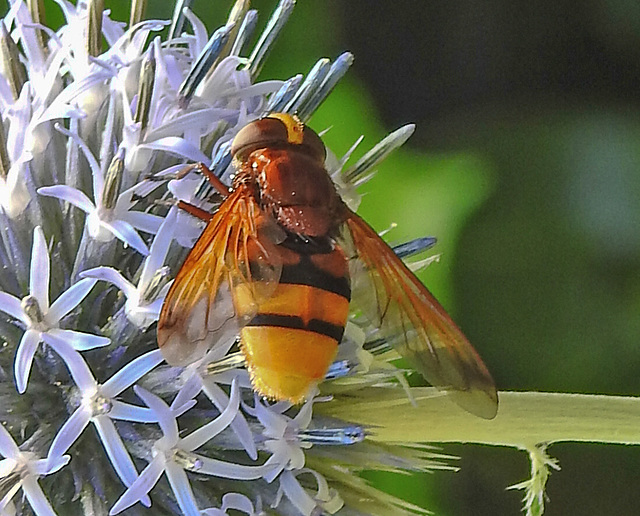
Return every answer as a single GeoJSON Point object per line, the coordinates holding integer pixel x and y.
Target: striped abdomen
{"type": "Point", "coordinates": [294, 337]}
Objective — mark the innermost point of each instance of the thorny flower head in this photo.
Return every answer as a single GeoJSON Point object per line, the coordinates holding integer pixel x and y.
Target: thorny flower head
{"type": "Point", "coordinates": [98, 117]}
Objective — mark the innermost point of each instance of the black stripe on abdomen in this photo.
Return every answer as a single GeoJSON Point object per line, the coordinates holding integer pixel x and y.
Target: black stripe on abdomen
{"type": "Point", "coordinates": [306, 273]}
{"type": "Point", "coordinates": [294, 322]}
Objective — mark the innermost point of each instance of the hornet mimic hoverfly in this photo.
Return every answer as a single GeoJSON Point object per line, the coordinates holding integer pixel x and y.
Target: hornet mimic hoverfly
{"type": "Point", "coordinates": [271, 266]}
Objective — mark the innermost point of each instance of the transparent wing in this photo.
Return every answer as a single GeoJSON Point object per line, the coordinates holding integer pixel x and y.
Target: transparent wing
{"type": "Point", "coordinates": [233, 267]}
{"type": "Point", "coordinates": [418, 326]}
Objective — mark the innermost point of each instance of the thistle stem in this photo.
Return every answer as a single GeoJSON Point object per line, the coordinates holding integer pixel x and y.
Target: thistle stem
{"type": "Point", "coordinates": [524, 418]}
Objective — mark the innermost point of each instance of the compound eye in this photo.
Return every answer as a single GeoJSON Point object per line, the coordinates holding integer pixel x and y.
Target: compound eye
{"type": "Point", "coordinates": [259, 134]}
{"type": "Point", "coordinates": [278, 131]}
{"type": "Point", "coordinates": [313, 145]}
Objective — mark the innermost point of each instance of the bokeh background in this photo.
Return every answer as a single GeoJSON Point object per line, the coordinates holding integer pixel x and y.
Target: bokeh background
{"type": "Point", "coordinates": [526, 165]}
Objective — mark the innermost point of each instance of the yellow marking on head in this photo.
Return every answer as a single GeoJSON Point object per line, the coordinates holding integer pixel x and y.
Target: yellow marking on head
{"type": "Point", "coordinates": [293, 124]}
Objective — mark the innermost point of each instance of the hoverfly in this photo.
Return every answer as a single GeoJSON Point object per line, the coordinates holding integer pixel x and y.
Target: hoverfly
{"type": "Point", "coordinates": [271, 267]}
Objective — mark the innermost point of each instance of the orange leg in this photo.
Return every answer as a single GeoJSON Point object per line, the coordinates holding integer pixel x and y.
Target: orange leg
{"type": "Point", "coordinates": [198, 213]}
{"type": "Point", "coordinates": [211, 177]}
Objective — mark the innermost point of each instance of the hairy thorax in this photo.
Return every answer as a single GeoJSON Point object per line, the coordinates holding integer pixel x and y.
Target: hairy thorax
{"type": "Point", "coordinates": [297, 190]}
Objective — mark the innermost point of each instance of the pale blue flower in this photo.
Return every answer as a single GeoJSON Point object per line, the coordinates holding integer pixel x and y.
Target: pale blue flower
{"type": "Point", "coordinates": [41, 319]}
{"type": "Point", "coordinates": [144, 300]}
{"type": "Point", "coordinates": [99, 406]}
{"type": "Point", "coordinates": [104, 219]}
{"type": "Point", "coordinates": [22, 470]}
{"type": "Point", "coordinates": [235, 502]}
{"type": "Point", "coordinates": [173, 455]}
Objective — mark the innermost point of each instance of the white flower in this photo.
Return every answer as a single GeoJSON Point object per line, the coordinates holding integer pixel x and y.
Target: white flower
{"type": "Point", "coordinates": [22, 470]}
{"type": "Point", "coordinates": [99, 406]}
{"type": "Point", "coordinates": [173, 455]}
{"type": "Point", "coordinates": [144, 301]}
{"type": "Point", "coordinates": [109, 217]}
{"type": "Point", "coordinates": [42, 319]}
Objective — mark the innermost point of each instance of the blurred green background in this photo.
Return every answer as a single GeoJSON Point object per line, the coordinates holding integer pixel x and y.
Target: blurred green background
{"type": "Point", "coordinates": [526, 166]}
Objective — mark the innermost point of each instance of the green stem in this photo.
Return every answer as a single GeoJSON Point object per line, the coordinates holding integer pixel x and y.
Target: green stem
{"type": "Point", "coordinates": [524, 418]}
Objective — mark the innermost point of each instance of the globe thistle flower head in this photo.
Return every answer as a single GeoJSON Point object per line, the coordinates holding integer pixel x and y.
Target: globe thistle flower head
{"type": "Point", "coordinates": [100, 121]}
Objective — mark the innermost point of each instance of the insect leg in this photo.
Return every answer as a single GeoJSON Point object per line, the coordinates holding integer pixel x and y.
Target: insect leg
{"type": "Point", "coordinates": [193, 210]}
{"type": "Point", "coordinates": [213, 179]}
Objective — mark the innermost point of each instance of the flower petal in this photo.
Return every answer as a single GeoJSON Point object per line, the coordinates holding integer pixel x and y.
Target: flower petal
{"type": "Point", "coordinates": [125, 232]}
{"type": "Point", "coordinates": [182, 489]}
{"type": "Point", "coordinates": [69, 433]}
{"type": "Point", "coordinates": [69, 299]}
{"type": "Point", "coordinates": [24, 358]}
{"type": "Point", "coordinates": [5, 503]}
{"type": "Point", "coordinates": [239, 425]}
{"type": "Point", "coordinates": [12, 305]}
{"type": "Point", "coordinates": [146, 222]}
{"type": "Point", "coordinates": [69, 194]}
{"type": "Point", "coordinates": [40, 268]}
{"type": "Point", "coordinates": [127, 412]}
{"type": "Point", "coordinates": [238, 502]}
{"type": "Point", "coordinates": [188, 391]}
{"type": "Point", "coordinates": [131, 373]}
{"type": "Point", "coordinates": [159, 248]}
{"type": "Point", "coordinates": [110, 275]}
{"type": "Point", "coordinates": [8, 447]}
{"type": "Point", "coordinates": [36, 497]}
{"type": "Point", "coordinates": [63, 344]}
{"type": "Point", "coordinates": [141, 487]}
{"type": "Point", "coordinates": [218, 468]}
{"type": "Point", "coordinates": [207, 432]}
{"type": "Point", "coordinates": [297, 494]}
{"type": "Point", "coordinates": [118, 454]}
{"type": "Point", "coordinates": [166, 419]}
{"type": "Point", "coordinates": [80, 341]}
{"type": "Point", "coordinates": [179, 147]}
{"type": "Point", "coordinates": [47, 467]}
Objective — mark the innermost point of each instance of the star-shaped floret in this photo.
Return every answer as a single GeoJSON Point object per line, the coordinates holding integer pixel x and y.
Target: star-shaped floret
{"type": "Point", "coordinates": [144, 301]}
{"type": "Point", "coordinates": [21, 469]}
{"type": "Point", "coordinates": [174, 455]}
{"type": "Point", "coordinates": [99, 406]}
{"type": "Point", "coordinates": [42, 319]}
{"type": "Point", "coordinates": [111, 215]}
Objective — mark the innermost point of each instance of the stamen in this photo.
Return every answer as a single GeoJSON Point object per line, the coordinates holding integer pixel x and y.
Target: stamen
{"type": "Point", "coordinates": [244, 32]}
{"type": "Point", "coordinates": [137, 11]}
{"type": "Point", "coordinates": [336, 72]}
{"type": "Point", "coordinates": [314, 78]}
{"type": "Point", "coordinates": [235, 20]}
{"type": "Point", "coordinates": [12, 68]}
{"type": "Point", "coordinates": [415, 246]}
{"type": "Point", "coordinates": [145, 89]}
{"type": "Point", "coordinates": [32, 309]}
{"type": "Point", "coordinates": [177, 20]}
{"type": "Point", "coordinates": [206, 60]}
{"type": "Point", "coordinates": [269, 35]}
{"type": "Point", "coordinates": [379, 152]}
{"type": "Point", "coordinates": [187, 460]}
{"type": "Point", "coordinates": [231, 361]}
{"type": "Point", "coordinates": [101, 406]}
{"type": "Point", "coordinates": [5, 164]}
{"type": "Point", "coordinates": [377, 346]}
{"type": "Point", "coordinates": [94, 28]}
{"type": "Point", "coordinates": [37, 11]}
{"type": "Point", "coordinates": [346, 435]}
{"type": "Point", "coordinates": [283, 96]}
{"type": "Point", "coordinates": [113, 181]}
{"type": "Point", "coordinates": [157, 282]}
{"type": "Point", "coordinates": [339, 369]}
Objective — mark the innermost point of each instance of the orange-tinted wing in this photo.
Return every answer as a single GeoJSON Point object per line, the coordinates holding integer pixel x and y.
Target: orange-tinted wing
{"type": "Point", "coordinates": [419, 327]}
{"type": "Point", "coordinates": [233, 266]}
